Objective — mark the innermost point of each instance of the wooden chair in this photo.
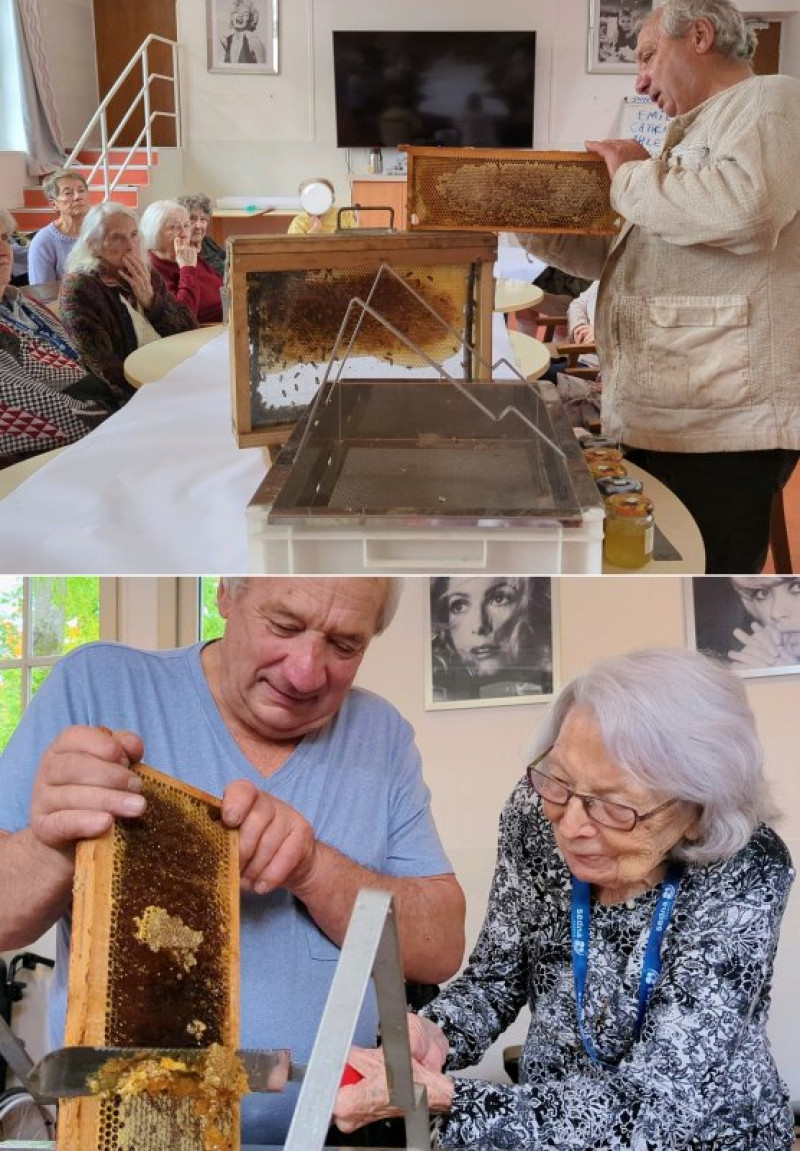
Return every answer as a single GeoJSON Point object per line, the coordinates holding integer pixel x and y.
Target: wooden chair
{"type": "Point", "coordinates": [573, 353]}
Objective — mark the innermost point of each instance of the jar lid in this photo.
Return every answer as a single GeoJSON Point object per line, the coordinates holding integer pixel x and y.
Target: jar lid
{"type": "Point", "coordinates": [629, 504]}
{"type": "Point", "coordinates": [602, 455]}
{"type": "Point", "coordinates": [600, 468]}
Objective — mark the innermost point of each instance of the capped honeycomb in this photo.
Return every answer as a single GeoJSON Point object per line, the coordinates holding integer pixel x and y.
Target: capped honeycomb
{"type": "Point", "coordinates": [509, 190]}
{"type": "Point", "coordinates": [155, 964]}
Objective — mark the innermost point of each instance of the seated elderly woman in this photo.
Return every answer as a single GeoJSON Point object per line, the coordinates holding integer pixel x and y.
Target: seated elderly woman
{"type": "Point", "coordinates": [111, 300]}
{"type": "Point", "coordinates": [635, 908]}
{"type": "Point", "coordinates": [198, 206]}
{"type": "Point", "coordinates": [68, 193]}
{"type": "Point", "coordinates": [47, 398]}
{"type": "Point", "coordinates": [166, 232]}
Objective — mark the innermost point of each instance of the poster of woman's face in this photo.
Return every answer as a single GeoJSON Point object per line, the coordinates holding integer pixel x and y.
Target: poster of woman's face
{"type": "Point", "coordinates": [242, 35]}
{"type": "Point", "coordinates": [752, 622]}
{"type": "Point", "coordinates": [491, 641]}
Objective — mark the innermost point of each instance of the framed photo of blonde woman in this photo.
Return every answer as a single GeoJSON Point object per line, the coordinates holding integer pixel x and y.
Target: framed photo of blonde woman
{"type": "Point", "coordinates": [492, 641]}
{"type": "Point", "coordinates": [242, 36]}
{"type": "Point", "coordinates": [613, 31]}
{"type": "Point", "coordinates": [752, 623]}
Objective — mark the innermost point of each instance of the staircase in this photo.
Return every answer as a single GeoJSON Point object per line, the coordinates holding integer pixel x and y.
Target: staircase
{"type": "Point", "coordinates": [114, 172]}
{"type": "Point", "coordinates": [36, 211]}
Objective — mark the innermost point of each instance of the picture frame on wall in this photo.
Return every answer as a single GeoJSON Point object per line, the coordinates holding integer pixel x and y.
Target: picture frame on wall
{"type": "Point", "coordinates": [613, 31]}
{"type": "Point", "coordinates": [492, 641]}
{"type": "Point", "coordinates": [752, 623]}
{"type": "Point", "coordinates": [242, 36]}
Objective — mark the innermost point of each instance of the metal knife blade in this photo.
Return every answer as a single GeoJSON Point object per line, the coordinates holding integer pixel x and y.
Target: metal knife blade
{"type": "Point", "coordinates": [67, 1072]}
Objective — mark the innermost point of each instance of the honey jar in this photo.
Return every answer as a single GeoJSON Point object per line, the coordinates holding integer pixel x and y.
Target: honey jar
{"type": "Point", "coordinates": [603, 468]}
{"type": "Point", "coordinates": [602, 456]}
{"type": "Point", "coordinates": [629, 530]}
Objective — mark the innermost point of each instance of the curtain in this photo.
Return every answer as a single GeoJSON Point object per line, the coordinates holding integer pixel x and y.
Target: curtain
{"type": "Point", "coordinates": [39, 110]}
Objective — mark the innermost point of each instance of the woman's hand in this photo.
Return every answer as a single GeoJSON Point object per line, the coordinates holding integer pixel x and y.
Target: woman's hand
{"type": "Point", "coordinates": [316, 224]}
{"type": "Point", "coordinates": [185, 253]}
{"type": "Point", "coordinates": [762, 646]}
{"type": "Point", "coordinates": [583, 334]}
{"type": "Point", "coordinates": [427, 1042]}
{"type": "Point", "coordinates": [136, 275]}
{"type": "Point", "coordinates": [368, 1100]}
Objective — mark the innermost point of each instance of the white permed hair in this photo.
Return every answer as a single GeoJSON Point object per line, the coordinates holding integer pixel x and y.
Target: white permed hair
{"type": "Point", "coordinates": [235, 585]}
{"type": "Point", "coordinates": [679, 723]}
{"type": "Point", "coordinates": [732, 37]}
{"type": "Point", "coordinates": [85, 254]}
{"type": "Point", "coordinates": [153, 219]}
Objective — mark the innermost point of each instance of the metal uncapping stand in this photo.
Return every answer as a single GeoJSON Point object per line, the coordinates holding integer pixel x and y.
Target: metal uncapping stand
{"type": "Point", "coordinates": [370, 949]}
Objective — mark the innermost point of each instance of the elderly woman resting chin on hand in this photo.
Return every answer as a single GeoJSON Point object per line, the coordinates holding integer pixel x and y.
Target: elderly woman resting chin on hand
{"type": "Point", "coordinates": [635, 909]}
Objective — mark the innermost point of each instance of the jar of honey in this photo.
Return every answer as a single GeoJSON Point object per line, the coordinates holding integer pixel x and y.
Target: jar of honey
{"type": "Point", "coordinates": [607, 468]}
{"type": "Point", "coordinates": [602, 456]}
{"type": "Point", "coordinates": [629, 530]}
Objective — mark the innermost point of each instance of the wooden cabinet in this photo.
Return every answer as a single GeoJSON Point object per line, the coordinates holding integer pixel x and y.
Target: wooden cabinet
{"type": "Point", "coordinates": [389, 192]}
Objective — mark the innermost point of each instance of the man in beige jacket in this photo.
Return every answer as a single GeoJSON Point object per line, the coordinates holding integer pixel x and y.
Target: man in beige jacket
{"type": "Point", "coordinates": [695, 322]}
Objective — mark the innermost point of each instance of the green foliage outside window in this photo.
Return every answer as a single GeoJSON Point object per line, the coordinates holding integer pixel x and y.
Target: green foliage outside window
{"type": "Point", "coordinates": [212, 624]}
{"type": "Point", "coordinates": [59, 614]}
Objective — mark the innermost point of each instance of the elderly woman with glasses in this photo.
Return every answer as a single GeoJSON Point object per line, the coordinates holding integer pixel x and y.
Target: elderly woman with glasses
{"type": "Point", "coordinates": [635, 910]}
{"type": "Point", "coordinates": [168, 235]}
{"type": "Point", "coordinates": [68, 193]}
{"type": "Point", "coordinates": [111, 300]}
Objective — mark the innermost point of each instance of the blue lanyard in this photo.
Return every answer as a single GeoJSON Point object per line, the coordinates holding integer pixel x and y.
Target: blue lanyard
{"type": "Point", "coordinates": [651, 966]}
{"type": "Point", "coordinates": [27, 320]}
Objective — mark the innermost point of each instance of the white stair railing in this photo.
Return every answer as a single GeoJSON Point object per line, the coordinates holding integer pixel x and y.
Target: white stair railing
{"type": "Point", "coordinates": [142, 97]}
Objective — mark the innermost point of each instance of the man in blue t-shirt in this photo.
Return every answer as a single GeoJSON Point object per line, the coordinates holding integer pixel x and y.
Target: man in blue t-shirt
{"type": "Point", "coordinates": [323, 781]}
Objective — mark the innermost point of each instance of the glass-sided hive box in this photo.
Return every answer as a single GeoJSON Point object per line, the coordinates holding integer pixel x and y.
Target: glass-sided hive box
{"type": "Point", "coordinates": [429, 477]}
{"type": "Point", "coordinates": [290, 296]}
{"type": "Point", "coordinates": [509, 190]}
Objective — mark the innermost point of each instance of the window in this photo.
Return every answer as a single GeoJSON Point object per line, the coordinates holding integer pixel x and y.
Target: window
{"type": "Point", "coordinates": [41, 619]}
{"type": "Point", "coordinates": [12, 129]}
{"type": "Point", "coordinates": [211, 624]}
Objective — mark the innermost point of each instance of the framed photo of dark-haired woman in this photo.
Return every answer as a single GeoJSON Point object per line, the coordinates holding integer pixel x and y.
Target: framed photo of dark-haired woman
{"type": "Point", "coordinates": [613, 32]}
{"type": "Point", "coordinates": [492, 641]}
{"type": "Point", "coordinates": [750, 622]}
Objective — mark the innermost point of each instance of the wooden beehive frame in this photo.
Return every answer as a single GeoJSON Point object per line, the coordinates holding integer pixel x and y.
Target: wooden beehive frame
{"type": "Point", "coordinates": [502, 189]}
{"type": "Point", "coordinates": [350, 249]}
{"type": "Point", "coordinates": [98, 870]}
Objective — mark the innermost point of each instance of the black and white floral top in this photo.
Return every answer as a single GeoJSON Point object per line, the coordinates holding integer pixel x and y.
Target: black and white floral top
{"type": "Point", "coordinates": [701, 1076]}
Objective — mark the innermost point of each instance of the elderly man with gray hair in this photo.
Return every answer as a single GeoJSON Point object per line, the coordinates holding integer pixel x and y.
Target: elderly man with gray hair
{"type": "Point", "coordinates": [698, 347]}
{"type": "Point", "coordinates": [323, 781]}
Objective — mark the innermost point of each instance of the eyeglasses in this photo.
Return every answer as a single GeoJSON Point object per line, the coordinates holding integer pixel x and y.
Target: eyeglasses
{"type": "Point", "coordinates": [71, 193]}
{"type": "Point", "coordinates": [604, 812]}
{"type": "Point", "coordinates": [175, 227]}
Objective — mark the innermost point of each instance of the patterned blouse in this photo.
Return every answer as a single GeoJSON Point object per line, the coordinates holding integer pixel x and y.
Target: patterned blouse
{"type": "Point", "coordinates": [701, 1076]}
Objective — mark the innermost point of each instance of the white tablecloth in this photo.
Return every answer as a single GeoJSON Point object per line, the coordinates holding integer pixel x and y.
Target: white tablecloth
{"type": "Point", "coordinates": [161, 487]}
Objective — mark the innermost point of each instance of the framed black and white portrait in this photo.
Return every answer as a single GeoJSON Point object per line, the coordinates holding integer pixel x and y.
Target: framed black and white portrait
{"type": "Point", "coordinates": [242, 35]}
{"type": "Point", "coordinates": [613, 30]}
{"type": "Point", "coordinates": [750, 622]}
{"type": "Point", "coordinates": [492, 641]}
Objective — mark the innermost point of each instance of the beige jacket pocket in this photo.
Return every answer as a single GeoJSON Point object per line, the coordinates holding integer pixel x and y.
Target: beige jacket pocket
{"type": "Point", "coordinates": [696, 352]}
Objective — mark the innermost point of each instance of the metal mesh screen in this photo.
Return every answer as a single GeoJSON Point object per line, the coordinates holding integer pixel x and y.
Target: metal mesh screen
{"type": "Point", "coordinates": [510, 191]}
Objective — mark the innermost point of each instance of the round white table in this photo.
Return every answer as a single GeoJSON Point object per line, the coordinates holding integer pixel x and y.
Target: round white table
{"type": "Point", "coordinates": [516, 295]}
{"type": "Point", "coordinates": [152, 361]}
{"type": "Point", "coordinates": [531, 356]}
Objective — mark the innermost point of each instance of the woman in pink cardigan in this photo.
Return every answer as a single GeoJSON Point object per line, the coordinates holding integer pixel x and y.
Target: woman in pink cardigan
{"type": "Point", "coordinates": [166, 232]}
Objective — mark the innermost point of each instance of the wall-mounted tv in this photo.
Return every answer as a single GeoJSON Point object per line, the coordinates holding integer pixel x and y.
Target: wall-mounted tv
{"type": "Point", "coordinates": [454, 89]}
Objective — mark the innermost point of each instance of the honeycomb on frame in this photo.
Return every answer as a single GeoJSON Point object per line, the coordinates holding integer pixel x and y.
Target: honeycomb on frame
{"type": "Point", "coordinates": [290, 296]}
{"type": "Point", "coordinates": [509, 190]}
{"type": "Point", "coordinates": [155, 963]}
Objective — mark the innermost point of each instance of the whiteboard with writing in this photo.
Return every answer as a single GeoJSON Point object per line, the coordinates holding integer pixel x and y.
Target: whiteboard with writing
{"type": "Point", "coordinates": [642, 120]}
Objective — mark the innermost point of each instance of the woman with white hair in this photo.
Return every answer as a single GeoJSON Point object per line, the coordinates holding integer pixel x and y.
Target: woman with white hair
{"type": "Point", "coordinates": [635, 909]}
{"type": "Point", "coordinates": [68, 194]}
{"type": "Point", "coordinates": [168, 235]}
{"type": "Point", "coordinates": [111, 300]}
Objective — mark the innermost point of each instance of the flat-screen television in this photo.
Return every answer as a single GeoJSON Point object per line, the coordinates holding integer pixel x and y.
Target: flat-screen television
{"type": "Point", "coordinates": [453, 89]}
